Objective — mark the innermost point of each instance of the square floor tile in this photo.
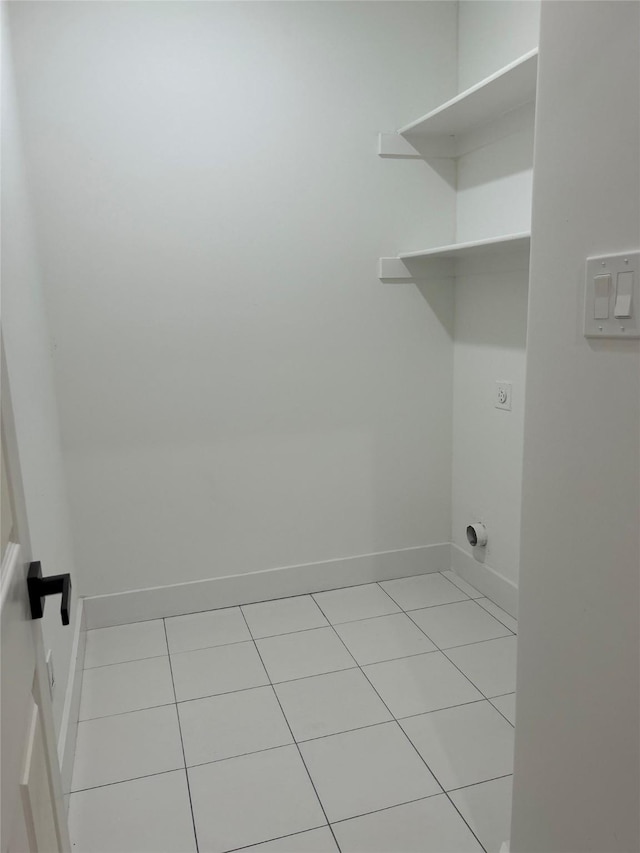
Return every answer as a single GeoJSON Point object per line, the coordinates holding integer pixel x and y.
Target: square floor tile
{"type": "Point", "coordinates": [203, 630]}
{"type": "Point", "coordinates": [355, 602]}
{"type": "Point", "coordinates": [150, 815]}
{"type": "Point", "coordinates": [305, 653]}
{"type": "Point", "coordinates": [507, 706]}
{"type": "Point", "coordinates": [422, 683]}
{"type": "Point", "coordinates": [124, 643]}
{"type": "Point", "coordinates": [490, 665]}
{"type": "Point", "coordinates": [423, 591]}
{"type": "Point", "coordinates": [428, 826]}
{"type": "Point", "coordinates": [222, 669]}
{"type": "Point", "coordinates": [359, 772]}
{"type": "Point", "coordinates": [313, 841]}
{"type": "Point", "coordinates": [471, 591]}
{"type": "Point", "coordinates": [458, 624]}
{"type": "Point", "coordinates": [328, 704]}
{"type": "Point", "coordinates": [463, 745]}
{"type": "Point", "coordinates": [284, 616]}
{"type": "Point", "coordinates": [251, 799]}
{"type": "Point", "coordinates": [384, 638]}
{"type": "Point", "coordinates": [126, 687]}
{"type": "Point", "coordinates": [126, 746]}
{"type": "Point", "coordinates": [232, 724]}
{"type": "Point", "coordinates": [487, 810]}
{"type": "Point", "coordinates": [500, 614]}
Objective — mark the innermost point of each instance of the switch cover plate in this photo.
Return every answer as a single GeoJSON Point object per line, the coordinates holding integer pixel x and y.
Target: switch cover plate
{"type": "Point", "coordinates": [612, 296]}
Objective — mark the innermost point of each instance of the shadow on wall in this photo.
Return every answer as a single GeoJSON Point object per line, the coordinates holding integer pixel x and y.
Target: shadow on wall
{"type": "Point", "coordinates": [437, 294]}
{"type": "Point", "coordinates": [491, 308]}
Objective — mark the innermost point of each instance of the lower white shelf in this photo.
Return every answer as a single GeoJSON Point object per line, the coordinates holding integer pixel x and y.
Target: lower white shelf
{"type": "Point", "coordinates": [441, 260]}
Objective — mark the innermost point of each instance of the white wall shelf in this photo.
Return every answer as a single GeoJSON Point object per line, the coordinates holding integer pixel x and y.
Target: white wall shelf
{"type": "Point", "coordinates": [442, 261]}
{"type": "Point", "coordinates": [438, 132]}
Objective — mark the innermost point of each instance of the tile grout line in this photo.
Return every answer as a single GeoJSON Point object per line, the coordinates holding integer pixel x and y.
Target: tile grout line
{"type": "Point", "coordinates": [413, 746]}
{"type": "Point", "coordinates": [262, 601]}
{"type": "Point", "coordinates": [295, 742]}
{"type": "Point", "coordinates": [278, 746]}
{"type": "Point", "coordinates": [437, 649]}
{"type": "Point", "coordinates": [184, 757]}
{"type": "Point", "coordinates": [128, 779]}
{"type": "Point", "coordinates": [501, 621]}
{"type": "Point", "coordinates": [120, 662]}
{"type": "Point", "coordinates": [421, 757]}
{"type": "Point", "coordinates": [472, 683]}
{"type": "Point", "coordinates": [446, 604]}
{"type": "Point", "coordinates": [442, 604]}
{"type": "Point", "coordinates": [279, 838]}
{"type": "Point", "coordinates": [122, 713]}
{"type": "Point", "coordinates": [306, 740]}
{"type": "Point", "coordinates": [361, 618]}
{"type": "Point", "coordinates": [465, 645]}
{"type": "Point", "coordinates": [304, 677]}
{"type": "Point", "coordinates": [445, 649]}
{"type": "Point", "coordinates": [467, 677]}
{"type": "Point", "coordinates": [488, 700]}
{"type": "Point", "coordinates": [444, 575]}
{"type": "Point", "coordinates": [452, 604]}
{"type": "Point", "coordinates": [317, 628]}
{"type": "Point", "coordinates": [281, 746]}
{"type": "Point", "coordinates": [419, 799]}
{"type": "Point", "coordinates": [502, 712]}
{"type": "Point", "coordinates": [481, 782]}
{"type": "Point", "coordinates": [302, 595]}
{"type": "Point", "coordinates": [388, 808]}
{"type": "Point", "coordinates": [224, 693]}
{"type": "Point", "coordinates": [285, 633]}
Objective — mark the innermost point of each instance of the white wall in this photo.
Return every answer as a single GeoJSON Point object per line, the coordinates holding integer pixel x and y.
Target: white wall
{"type": "Point", "coordinates": [237, 389]}
{"type": "Point", "coordinates": [26, 345]}
{"type": "Point", "coordinates": [490, 341]}
{"type": "Point", "coordinates": [492, 33]}
{"type": "Point", "coordinates": [494, 197]}
{"type": "Point", "coordinates": [494, 180]}
{"type": "Point", "coordinates": [494, 183]}
{"type": "Point", "coordinates": [577, 760]}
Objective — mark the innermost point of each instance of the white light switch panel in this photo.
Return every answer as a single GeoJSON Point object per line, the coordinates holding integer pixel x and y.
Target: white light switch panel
{"type": "Point", "coordinates": [612, 296]}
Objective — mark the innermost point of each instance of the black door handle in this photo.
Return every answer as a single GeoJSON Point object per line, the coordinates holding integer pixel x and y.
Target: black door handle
{"type": "Point", "coordinates": [40, 587]}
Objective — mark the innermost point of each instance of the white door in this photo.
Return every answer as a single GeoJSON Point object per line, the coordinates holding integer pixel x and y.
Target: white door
{"type": "Point", "coordinates": [33, 816]}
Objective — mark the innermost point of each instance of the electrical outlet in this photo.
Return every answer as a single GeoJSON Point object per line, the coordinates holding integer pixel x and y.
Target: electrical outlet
{"type": "Point", "coordinates": [503, 396]}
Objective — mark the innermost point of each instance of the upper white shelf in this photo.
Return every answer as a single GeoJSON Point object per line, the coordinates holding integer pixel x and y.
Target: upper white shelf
{"type": "Point", "coordinates": [511, 87]}
{"type": "Point", "coordinates": [442, 260]}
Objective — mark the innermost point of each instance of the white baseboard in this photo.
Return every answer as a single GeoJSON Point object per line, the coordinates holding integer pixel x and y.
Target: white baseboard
{"type": "Point", "coordinates": [487, 580]}
{"type": "Point", "coordinates": [71, 709]}
{"type": "Point", "coordinates": [156, 602]}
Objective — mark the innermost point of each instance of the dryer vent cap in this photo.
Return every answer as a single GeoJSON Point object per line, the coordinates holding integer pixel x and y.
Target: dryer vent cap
{"type": "Point", "coordinates": [477, 534]}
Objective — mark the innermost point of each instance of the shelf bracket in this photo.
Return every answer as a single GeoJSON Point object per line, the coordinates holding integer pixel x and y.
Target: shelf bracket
{"type": "Point", "coordinates": [394, 268]}
{"type": "Point", "coordinates": [394, 145]}
{"type": "Point", "coordinates": [399, 271]}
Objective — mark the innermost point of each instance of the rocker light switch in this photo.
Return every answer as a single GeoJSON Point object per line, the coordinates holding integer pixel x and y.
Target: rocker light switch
{"type": "Point", "coordinates": [612, 296]}
{"type": "Point", "coordinates": [602, 288]}
{"type": "Point", "coordinates": [624, 292]}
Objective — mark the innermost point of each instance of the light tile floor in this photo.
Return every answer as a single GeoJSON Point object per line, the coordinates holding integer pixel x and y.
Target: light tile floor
{"type": "Point", "coordinates": [374, 718]}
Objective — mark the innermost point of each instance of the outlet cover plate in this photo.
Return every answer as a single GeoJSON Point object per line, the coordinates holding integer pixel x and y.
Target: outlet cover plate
{"type": "Point", "coordinates": [503, 396]}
